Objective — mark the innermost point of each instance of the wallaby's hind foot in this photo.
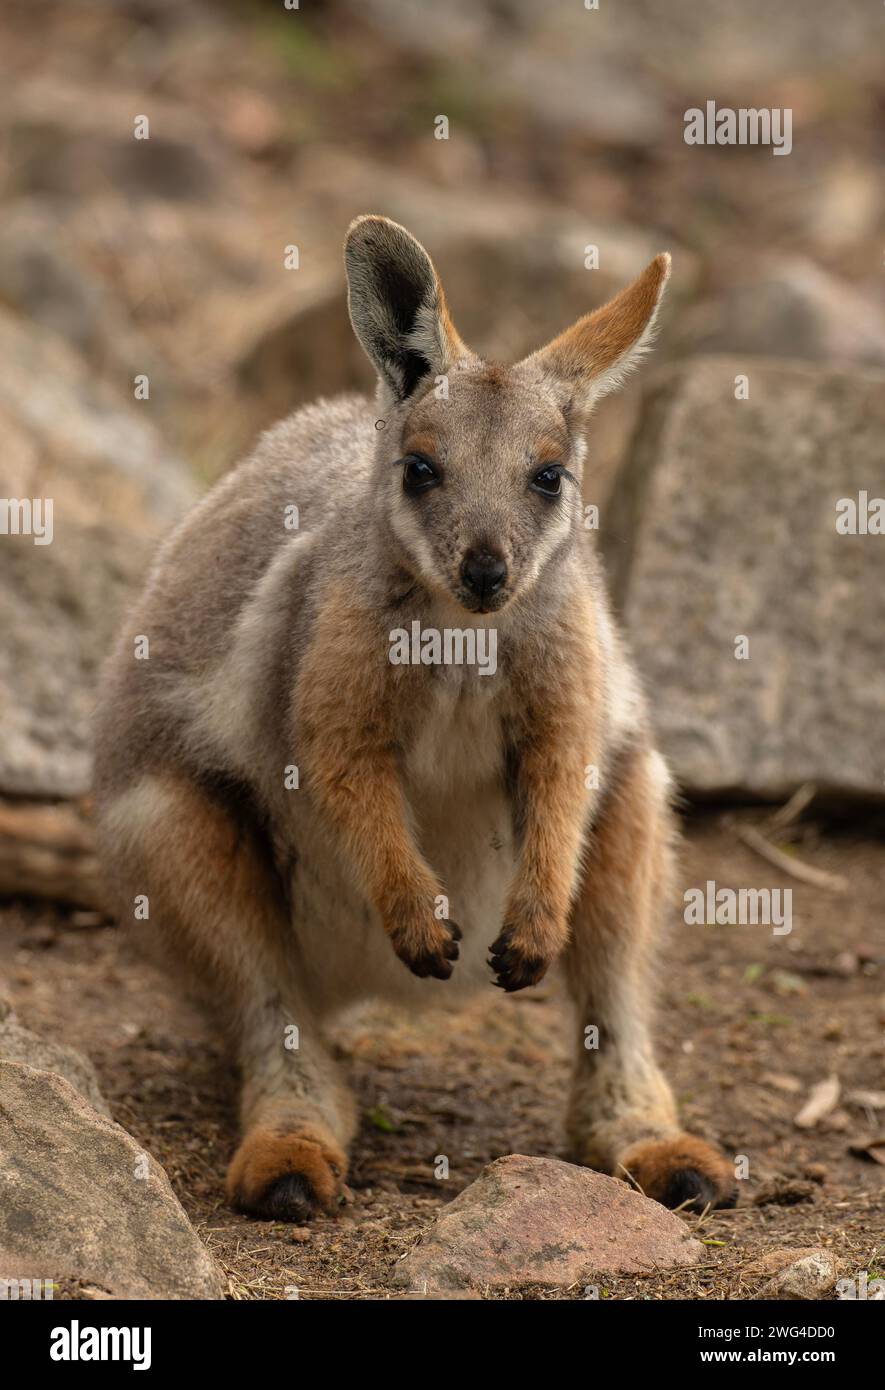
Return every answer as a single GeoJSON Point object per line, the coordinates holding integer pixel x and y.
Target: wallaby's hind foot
{"type": "Point", "coordinates": [680, 1171]}
{"type": "Point", "coordinates": [622, 1117]}
{"type": "Point", "coordinates": [216, 903]}
{"type": "Point", "coordinates": [283, 1176]}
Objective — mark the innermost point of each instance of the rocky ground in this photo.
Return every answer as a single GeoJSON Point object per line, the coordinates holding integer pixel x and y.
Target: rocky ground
{"type": "Point", "coordinates": [164, 259]}
{"type": "Point", "coordinates": [749, 1025]}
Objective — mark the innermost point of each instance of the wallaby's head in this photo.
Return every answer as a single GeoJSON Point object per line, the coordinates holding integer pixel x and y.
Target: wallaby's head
{"type": "Point", "coordinates": [479, 466]}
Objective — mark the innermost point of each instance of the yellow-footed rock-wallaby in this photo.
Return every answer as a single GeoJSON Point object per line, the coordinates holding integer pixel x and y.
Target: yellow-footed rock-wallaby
{"type": "Point", "coordinates": [367, 752]}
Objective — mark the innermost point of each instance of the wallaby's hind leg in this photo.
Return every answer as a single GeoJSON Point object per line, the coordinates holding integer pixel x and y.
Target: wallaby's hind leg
{"type": "Point", "coordinates": [622, 1116]}
{"type": "Point", "coordinates": [216, 903]}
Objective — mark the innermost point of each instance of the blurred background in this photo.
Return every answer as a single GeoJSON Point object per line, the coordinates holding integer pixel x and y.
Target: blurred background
{"type": "Point", "coordinates": [271, 127]}
{"type": "Point", "coordinates": [150, 327]}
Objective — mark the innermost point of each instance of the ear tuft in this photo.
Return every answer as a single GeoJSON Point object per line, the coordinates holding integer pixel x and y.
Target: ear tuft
{"type": "Point", "coordinates": [396, 304]}
{"type": "Point", "coordinates": [597, 352]}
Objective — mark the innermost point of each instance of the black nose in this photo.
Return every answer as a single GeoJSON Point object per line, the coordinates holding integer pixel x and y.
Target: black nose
{"type": "Point", "coordinates": [483, 573]}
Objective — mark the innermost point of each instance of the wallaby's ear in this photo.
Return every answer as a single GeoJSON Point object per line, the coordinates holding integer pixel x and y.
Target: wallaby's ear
{"type": "Point", "coordinates": [595, 354]}
{"type": "Point", "coordinates": [397, 306]}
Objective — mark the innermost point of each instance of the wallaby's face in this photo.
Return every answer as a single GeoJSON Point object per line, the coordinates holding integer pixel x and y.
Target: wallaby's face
{"type": "Point", "coordinates": [479, 467]}
{"type": "Point", "coordinates": [484, 486]}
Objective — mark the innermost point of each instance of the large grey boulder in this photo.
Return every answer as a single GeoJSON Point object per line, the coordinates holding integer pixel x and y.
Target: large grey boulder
{"type": "Point", "coordinates": [723, 526]}
{"type": "Point", "coordinates": [545, 1222]}
{"type": "Point", "coordinates": [114, 491]}
{"type": "Point", "coordinates": [19, 1044]}
{"type": "Point", "coordinates": [83, 1205]}
{"type": "Point", "coordinates": [787, 306]}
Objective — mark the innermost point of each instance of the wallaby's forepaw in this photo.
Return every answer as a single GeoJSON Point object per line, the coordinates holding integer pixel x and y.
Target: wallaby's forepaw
{"type": "Point", "coordinates": [681, 1170]}
{"type": "Point", "coordinates": [431, 950]}
{"type": "Point", "coordinates": [516, 964]}
{"type": "Point", "coordinates": [283, 1176]}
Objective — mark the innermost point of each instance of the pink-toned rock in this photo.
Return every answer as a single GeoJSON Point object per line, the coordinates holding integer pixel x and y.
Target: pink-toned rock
{"type": "Point", "coordinates": [541, 1221]}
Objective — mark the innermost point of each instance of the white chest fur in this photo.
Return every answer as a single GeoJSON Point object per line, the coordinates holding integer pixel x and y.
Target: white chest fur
{"type": "Point", "coordinates": [458, 747]}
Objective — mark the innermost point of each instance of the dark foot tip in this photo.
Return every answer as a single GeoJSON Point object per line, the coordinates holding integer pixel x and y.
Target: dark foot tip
{"type": "Point", "coordinates": [289, 1198]}
{"type": "Point", "coordinates": [689, 1186]}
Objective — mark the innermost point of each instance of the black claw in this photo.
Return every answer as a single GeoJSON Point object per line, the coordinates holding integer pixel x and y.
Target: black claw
{"type": "Point", "coordinates": [439, 967]}
{"type": "Point", "coordinates": [441, 970]}
{"type": "Point", "coordinates": [514, 970]}
{"type": "Point", "coordinates": [288, 1198]}
{"type": "Point", "coordinates": [425, 965]}
{"type": "Point", "coordinates": [438, 964]}
{"type": "Point", "coordinates": [688, 1185]}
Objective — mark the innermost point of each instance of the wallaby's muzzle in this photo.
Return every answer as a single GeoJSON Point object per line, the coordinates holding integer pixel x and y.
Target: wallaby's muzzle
{"type": "Point", "coordinates": [484, 574]}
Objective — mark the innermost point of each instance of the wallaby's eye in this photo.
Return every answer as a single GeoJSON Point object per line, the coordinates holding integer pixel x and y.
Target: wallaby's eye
{"type": "Point", "coordinates": [549, 480]}
{"type": "Point", "coordinates": [419, 473]}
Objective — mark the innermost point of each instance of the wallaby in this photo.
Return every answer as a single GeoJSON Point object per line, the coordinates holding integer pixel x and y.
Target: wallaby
{"type": "Point", "coordinates": [304, 815]}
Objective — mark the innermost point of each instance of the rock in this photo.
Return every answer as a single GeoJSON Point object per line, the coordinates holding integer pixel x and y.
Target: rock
{"type": "Point", "coordinates": [74, 1208]}
{"type": "Point", "coordinates": [542, 1221]}
{"type": "Point", "coordinates": [567, 82]}
{"type": "Point", "coordinates": [789, 307]}
{"type": "Point", "coordinates": [723, 525]}
{"type": "Point", "coordinates": [48, 274]}
{"type": "Point", "coordinates": [64, 146]}
{"type": "Point", "coordinates": [773, 1261]}
{"type": "Point", "coordinates": [19, 1044]}
{"type": "Point", "coordinates": [813, 1275]}
{"type": "Point", "coordinates": [114, 488]}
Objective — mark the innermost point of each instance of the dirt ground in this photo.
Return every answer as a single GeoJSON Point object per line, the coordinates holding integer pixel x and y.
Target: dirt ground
{"type": "Point", "coordinates": [749, 1023]}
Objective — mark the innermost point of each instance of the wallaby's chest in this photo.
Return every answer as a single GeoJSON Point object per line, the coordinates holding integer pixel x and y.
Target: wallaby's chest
{"type": "Point", "coordinates": [456, 747]}
{"type": "Point", "coordinates": [452, 776]}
